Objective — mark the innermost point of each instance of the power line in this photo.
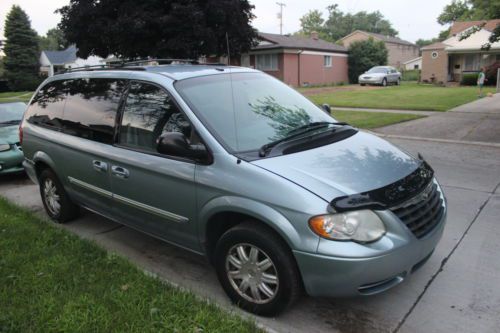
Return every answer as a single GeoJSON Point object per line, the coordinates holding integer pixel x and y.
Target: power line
{"type": "Point", "coordinates": [280, 15]}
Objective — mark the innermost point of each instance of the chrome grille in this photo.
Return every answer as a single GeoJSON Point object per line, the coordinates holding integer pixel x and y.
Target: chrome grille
{"type": "Point", "coordinates": [422, 213]}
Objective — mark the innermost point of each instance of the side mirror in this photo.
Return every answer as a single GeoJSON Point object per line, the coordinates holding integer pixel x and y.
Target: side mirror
{"type": "Point", "coordinates": [327, 108]}
{"type": "Point", "coordinates": [176, 144]}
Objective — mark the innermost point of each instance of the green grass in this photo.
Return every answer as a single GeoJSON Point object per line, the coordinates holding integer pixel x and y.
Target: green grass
{"type": "Point", "coordinates": [408, 96]}
{"type": "Point", "coordinates": [372, 119]}
{"type": "Point", "coordinates": [53, 281]}
{"type": "Point", "coordinates": [15, 96]}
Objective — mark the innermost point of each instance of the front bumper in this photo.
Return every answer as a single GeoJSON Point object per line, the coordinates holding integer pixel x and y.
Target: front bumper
{"type": "Point", "coordinates": [377, 267]}
{"type": "Point", "coordinates": [376, 80]}
{"type": "Point", "coordinates": [11, 161]}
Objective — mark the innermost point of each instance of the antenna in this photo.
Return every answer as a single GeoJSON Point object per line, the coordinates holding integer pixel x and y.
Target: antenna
{"type": "Point", "coordinates": [228, 52]}
{"type": "Point", "coordinates": [280, 15]}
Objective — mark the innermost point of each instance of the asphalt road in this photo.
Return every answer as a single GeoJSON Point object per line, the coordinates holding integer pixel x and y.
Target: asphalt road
{"type": "Point", "coordinates": [458, 290]}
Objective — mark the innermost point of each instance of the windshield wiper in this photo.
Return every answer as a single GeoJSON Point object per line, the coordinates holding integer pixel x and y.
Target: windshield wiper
{"type": "Point", "coordinates": [10, 122]}
{"type": "Point", "coordinates": [295, 133]}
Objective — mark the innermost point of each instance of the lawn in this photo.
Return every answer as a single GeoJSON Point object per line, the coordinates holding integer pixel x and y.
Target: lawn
{"type": "Point", "coordinates": [372, 119]}
{"type": "Point", "coordinates": [15, 96]}
{"type": "Point", "coordinates": [53, 281]}
{"type": "Point", "coordinates": [408, 96]}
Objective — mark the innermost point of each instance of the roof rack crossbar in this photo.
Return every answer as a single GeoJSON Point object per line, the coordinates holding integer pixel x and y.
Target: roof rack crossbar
{"type": "Point", "coordinates": [134, 65]}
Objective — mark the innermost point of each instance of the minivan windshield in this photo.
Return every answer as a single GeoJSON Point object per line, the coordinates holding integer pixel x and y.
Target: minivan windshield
{"type": "Point", "coordinates": [248, 110]}
{"type": "Point", "coordinates": [11, 113]}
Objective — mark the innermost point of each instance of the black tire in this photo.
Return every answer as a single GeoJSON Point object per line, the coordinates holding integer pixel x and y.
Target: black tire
{"type": "Point", "coordinates": [255, 234]}
{"type": "Point", "coordinates": [362, 84]}
{"type": "Point", "coordinates": [398, 82]}
{"type": "Point", "coordinates": [384, 82]}
{"type": "Point", "coordinates": [67, 210]}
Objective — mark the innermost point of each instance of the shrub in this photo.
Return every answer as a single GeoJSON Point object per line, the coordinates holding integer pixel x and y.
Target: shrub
{"type": "Point", "coordinates": [364, 55]}
{"type": "Point", "coordinates": [469, 79]}
{"type": "Point", "coordinates": [411, 75]}
{"type": "Point", "coordinates": [491, 73]}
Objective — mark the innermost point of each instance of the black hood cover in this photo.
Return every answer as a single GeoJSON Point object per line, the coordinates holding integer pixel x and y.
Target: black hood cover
{"type": "Point", "coordinates": [388, 196]}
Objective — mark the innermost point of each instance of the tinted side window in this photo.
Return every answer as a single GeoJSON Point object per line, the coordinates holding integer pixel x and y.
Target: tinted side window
{"type": "Point", "coordinates": [91, 108]}
{"type": "Point", "coordinates": [148, 113]}
{"type": "Point", "coordinates": [46, 108]}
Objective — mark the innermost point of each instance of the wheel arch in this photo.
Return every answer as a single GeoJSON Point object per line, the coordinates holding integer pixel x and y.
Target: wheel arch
{"type": "Point", "coordinates": [223, 213]}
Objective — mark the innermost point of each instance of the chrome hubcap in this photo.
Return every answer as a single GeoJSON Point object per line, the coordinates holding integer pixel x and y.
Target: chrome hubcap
{"type": "Point", "coordinates": [252, 273]}
{"type": "Point", "coordinates": [51, 197]}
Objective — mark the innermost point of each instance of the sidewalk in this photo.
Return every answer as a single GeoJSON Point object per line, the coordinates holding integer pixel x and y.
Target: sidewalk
{"type": "Point", "coordinates": [478, 121]}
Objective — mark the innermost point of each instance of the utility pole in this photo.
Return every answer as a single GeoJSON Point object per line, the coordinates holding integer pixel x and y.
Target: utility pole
{"type": "Point", "coordinates": [280, 15]}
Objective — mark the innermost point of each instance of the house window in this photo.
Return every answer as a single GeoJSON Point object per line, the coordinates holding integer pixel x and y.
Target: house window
{"type": "Point", "coordinates": [267, 62]}
{"type": "Point", "coordinates": [327, 61]}
{"type": "Point", "coordinates": [472, 62]}
{"type": "Point", "coordinates": [415, 66]}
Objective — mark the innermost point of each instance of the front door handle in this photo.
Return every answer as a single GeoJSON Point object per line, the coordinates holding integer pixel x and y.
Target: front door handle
{"type": "Point", "coordinates": [99, 165]}
{"type": "Point", "coordinates": [119, 172]}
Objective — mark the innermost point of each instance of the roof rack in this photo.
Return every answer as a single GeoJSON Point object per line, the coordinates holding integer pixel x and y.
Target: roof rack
{"type": "Point", "coordinates": [135, 65]}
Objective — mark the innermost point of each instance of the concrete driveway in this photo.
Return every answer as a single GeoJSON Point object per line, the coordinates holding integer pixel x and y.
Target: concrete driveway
{"type": "Point", "coordinates": [477, 121]}
{"type": "Point", "coordinates": [456, 291]}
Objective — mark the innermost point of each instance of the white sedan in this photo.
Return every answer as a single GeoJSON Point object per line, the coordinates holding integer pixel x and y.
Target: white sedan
{"type": "Point", "coordinates": [382, 75]}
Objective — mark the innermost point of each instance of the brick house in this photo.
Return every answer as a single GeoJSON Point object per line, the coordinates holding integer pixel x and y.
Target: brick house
{"type": "Point", "coordinates": [298, 61]}
{"type": "Point", "coordinates": [399, 51]}
{"type": "Point", "coordinates": [449, 60]}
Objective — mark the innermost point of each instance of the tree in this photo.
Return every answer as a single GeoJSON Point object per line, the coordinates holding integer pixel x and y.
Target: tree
{"type": "Point", "coordinates": [456, 11]}
{"type": "Point", "coordinates": [53, 41]}
{"type": "Point", "coordinates": [21, 51]}
{"type": "Point", "coordinates": [339, 24]}
{"type": "Point", "coordinates": [365, 54]}
{"type": "Point", "coordinates": [312, 22]}
{"type": "Point", "coordinates": [158, 28]}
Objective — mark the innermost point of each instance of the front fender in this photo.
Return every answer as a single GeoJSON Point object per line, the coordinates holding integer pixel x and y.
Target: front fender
{"type": "Point", "coordinates": [258, 210]}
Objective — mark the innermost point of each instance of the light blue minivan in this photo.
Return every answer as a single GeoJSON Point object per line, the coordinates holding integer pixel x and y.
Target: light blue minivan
{"type": "Point", "coordinates": [233, 164]}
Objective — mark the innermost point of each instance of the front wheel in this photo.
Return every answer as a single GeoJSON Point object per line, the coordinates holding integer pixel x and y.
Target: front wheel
{"type": "Point", "coordinates": [256, 269]}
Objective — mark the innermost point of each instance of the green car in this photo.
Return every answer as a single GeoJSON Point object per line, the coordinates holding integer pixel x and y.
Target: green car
{"type": "Point", "coordinates": [11, 154]}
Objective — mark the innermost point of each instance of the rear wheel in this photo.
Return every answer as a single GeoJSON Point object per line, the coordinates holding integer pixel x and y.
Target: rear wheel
{"type": "Point", "coordinates": [398, 82]}
{"type": "Point", "coordinates": [256, 269]}
{"type": "Point", "coordinates": [56, 201]}
{"type": "Point", "coordinates": [362, 84]}
{"type": "Point", "coordinates": [384, 82]}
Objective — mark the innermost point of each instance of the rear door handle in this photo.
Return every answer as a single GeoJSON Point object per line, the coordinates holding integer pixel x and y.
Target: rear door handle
{"type": "Point", "coordinates": [99, 165]}
{"type": "Point", "coordinates": [119, 172]}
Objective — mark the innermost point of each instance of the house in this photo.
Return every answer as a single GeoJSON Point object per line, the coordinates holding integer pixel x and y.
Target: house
{"type": "Point", "coordinates": [413, 64]}
{"type": "Point", "coordinates": [449, 60]}
{"type": "Point", "coordinates": [53, 61]}
{"type": "Point", "coordinates": [298, 61]}
{"type": "Point", "coordinates": [399, 51]}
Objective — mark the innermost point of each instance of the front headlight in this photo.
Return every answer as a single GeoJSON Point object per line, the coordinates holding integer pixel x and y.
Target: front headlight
{"type": "Point", "coordinates": [360, 226]}
{"type": "Point", "coordinates": [4, 147]}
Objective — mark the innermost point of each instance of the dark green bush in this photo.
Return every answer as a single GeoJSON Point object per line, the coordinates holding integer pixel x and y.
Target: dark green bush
{"type": "Point", "coordinates": [411, 75]}
{"type": "Point", "coordinates": [491, 73]}
{"type": "Point", "coordinates": [469, 79]}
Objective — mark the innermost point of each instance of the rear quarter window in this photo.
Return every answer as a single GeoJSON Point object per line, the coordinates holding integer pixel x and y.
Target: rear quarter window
{"type": "Point", "coordinates": [91, 108]}
{"type": "Point", "coordinates": [46, 107]}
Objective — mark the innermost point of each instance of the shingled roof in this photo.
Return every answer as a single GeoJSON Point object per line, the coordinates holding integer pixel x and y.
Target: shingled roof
{"type": "Point", "coordinates": [384, 38]}
{"type": "Point", "coordinates": [62, 57]}
{"type": "Point", "coordinates": [295, 42]}
{"type": "Point", "coordinates": [459, 26]}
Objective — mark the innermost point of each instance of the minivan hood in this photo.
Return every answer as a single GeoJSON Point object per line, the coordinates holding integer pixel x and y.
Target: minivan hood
{"type": "Point", "coordinates": [357, 164]}
{"type": "Point", "coordinates": [9, 134]}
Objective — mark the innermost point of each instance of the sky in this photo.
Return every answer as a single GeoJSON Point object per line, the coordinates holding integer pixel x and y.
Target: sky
{"type": "Point", "coordinates": [413, 19]}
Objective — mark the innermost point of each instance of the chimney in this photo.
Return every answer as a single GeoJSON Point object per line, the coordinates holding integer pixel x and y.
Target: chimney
{"type": "Point", "coordinates": [314, 35]}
